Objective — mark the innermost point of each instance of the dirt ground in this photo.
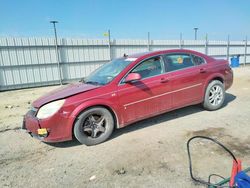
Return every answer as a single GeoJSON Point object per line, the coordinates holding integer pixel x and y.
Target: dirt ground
{"type": "Point", "coordinates": [151, 153]}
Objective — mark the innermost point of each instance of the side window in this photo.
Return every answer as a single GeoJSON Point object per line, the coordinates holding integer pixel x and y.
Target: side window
{"type": "Point", "coordinates": [177, 61]}
{"type": "Point", "coordinates": [198, 60]}
{"type": "Point", "coordinates": [150, 67]}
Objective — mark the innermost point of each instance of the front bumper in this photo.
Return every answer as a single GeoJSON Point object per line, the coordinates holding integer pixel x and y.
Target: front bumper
{"type": "Point", "coordinates": [58, 127]}
{"type": "Point", "coordinates": [31, 125]}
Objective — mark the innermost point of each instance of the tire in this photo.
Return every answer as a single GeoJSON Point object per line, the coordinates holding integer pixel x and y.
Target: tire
{"type": "Point", "coordinates": [94, 126]}
{"type": "Point", "coordinates": [214, 96]}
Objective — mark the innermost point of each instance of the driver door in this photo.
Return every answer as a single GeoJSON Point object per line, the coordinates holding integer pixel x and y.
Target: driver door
{"type": "Point", "coordinates": [145, 97]}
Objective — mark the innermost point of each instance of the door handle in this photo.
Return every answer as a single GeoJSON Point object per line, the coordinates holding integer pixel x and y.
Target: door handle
{"type": "Point", "coordinates": [164, 80]}
{"type": "Point", "coordinates": [202, 70]}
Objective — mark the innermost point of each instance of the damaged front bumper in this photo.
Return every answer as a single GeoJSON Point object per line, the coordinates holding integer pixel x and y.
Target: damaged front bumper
{"type": "Point", "coordinates": [56, 128]}
{"type": "Point", "coordinates": [32, 126]}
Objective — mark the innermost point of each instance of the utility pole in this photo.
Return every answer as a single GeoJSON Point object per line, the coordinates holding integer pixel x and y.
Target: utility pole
{"type": "Point", "coordinates": [57, 52]}
{"type": "Point", "coordinates": [195, 33]}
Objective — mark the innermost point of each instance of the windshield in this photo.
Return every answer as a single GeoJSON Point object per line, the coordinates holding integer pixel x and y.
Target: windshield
{"type": "Point", "coordinates": [107, 72]}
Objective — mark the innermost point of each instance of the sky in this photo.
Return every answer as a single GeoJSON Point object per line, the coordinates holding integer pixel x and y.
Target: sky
{"type": "Point", "coordinates": [126, 19]}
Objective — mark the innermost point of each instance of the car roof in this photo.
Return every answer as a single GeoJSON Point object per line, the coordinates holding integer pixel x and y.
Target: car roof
{"type": "Point", "coordinates": [152, 53]}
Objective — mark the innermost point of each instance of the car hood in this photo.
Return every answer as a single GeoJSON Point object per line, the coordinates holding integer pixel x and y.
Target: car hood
{"type": "Point", "coordinates": [63, 92]}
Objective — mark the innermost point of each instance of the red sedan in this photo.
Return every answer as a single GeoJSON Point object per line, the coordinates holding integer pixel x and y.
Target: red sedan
{"type": "Point", "coordinates": [127, 90]}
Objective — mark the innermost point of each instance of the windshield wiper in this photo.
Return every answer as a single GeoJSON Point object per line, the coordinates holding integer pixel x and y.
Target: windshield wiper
{"type": "Point", "coordinates": [92, 82]}
{"type": "Point", "coordinates": [82, 80]}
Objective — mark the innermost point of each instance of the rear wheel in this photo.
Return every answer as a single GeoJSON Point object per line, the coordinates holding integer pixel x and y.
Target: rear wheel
{"type": "Point", "coordinates": [94, 126]}
{"type": "Point", "coordinates": [214, 96]}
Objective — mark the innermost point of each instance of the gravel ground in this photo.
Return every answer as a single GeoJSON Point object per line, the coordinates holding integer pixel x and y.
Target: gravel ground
{"type": "Point", "coordinates": [150, 153]}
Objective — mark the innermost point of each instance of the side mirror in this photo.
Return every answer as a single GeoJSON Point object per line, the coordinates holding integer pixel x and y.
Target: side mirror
{"type": "Point", "coordinates": [132, 77]}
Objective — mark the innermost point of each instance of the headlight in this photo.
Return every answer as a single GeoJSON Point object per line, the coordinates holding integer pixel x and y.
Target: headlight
{"type": "Point", "coordinates": [49, 109]}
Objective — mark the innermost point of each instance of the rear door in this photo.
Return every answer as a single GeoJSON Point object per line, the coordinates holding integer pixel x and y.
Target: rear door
{"type": "Point", "coordinates": [147, 96]}
{"type": "Point", "coordinates": [185, 79]}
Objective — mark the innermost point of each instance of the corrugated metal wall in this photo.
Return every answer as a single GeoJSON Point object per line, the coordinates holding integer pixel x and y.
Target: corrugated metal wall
{"type": "Point", "coordinates": [31, 62]}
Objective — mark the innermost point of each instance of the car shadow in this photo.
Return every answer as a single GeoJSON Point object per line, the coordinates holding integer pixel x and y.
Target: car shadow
{"type": "Point", "coordinates": [228, 98]}
{"type": "Point", "coordinates": [65, 144]}
{"type": "Point", "coordinates": [150, 121]}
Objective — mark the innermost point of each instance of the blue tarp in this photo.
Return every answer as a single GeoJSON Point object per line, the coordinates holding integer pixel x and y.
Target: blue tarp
{"type": "Point", "coordinates": [242, 180]}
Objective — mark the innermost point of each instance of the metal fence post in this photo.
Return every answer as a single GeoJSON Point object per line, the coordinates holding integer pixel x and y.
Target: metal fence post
{"type": "Point", "coordinates": [206, 45]}
{"type": "Point", "coordinates": [2, 70]}
{"type": "Point", "coordinates": [148, 41]}
{"type": "Point", "coordinates": [228, 44]}
{"type": "Point", "coordinates": [109, 43]}
{"type": "Point", "coordinates": [180, 44]}
{"type": "Point", "coordinates": [245, 54]}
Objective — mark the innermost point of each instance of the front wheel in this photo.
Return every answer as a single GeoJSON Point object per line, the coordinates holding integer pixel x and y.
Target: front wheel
{"type": "Point", "coordinates": [214, 96]}
{"type": "Point", "coordinates": [94, 126]}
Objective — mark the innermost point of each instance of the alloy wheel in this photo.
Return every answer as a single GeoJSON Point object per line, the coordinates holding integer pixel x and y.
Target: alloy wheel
{"type": "Point", "coordinates": [215, 95]}
{"type": "Point", "coordinates": [94, 125]}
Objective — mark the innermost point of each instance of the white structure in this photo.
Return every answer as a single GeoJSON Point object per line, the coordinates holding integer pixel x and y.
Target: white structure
{"type": "Point", "coordinates": [31, 62]}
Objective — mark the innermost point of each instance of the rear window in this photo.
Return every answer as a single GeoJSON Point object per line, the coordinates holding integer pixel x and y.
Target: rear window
{"type": "Point", "coordinates": [198, 60]}
{"type": "Point", "coordinates": [177, 61]}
